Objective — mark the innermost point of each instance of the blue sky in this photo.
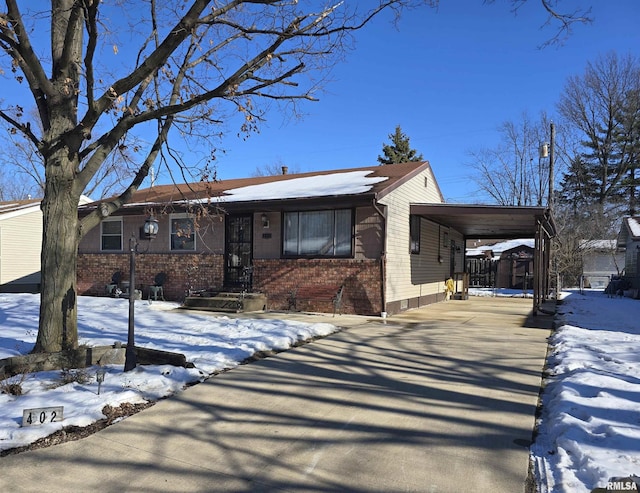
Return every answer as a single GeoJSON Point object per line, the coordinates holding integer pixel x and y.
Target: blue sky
{"type": "Point", "coordinates": [449, 77]}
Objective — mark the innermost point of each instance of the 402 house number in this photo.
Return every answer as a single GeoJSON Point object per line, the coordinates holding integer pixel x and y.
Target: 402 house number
{"type": "Point", "coordinates": [41, 415]}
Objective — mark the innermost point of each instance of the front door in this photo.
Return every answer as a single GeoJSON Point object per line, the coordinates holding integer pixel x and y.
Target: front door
{"type": "Point", "coordinates": [237, 270]}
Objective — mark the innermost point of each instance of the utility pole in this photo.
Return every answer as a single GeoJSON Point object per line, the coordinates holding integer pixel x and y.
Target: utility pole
{"type": "Point", "coordinates": [552, 157]}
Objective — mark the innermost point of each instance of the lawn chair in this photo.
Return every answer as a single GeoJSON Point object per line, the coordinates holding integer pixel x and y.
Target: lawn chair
{"type": "Point", "coordinates": [157, 290]}
{"type": "Point", "coordinates": [113, 288]}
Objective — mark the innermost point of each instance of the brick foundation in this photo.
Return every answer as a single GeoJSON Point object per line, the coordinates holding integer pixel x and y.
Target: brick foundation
{"type": "Point", "coordinates": [277, 278]}
{"type": "Point", "coordinates": [184, 272]}
{"type": "Point", "coordinates": [361, 278]}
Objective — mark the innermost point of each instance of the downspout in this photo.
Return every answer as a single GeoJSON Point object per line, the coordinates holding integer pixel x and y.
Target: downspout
{"type": "Point", "coordinates": [383, 254]}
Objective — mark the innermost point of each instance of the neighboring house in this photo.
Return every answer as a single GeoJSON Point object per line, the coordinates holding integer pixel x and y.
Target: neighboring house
{"type": "Point", "coordinates": [601, 260]}
{"type": "Point", "coordinates": [20, 246]}
{"type": "Point", "coordinates": [629, 239]}
{"type": "Point", "coordinates": [382, 232]}
{"type": "Point", "coordinates": [502, 264]}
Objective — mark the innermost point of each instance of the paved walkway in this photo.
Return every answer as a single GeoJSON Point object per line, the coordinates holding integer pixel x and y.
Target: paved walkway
{"type": "Point", "coordinates": [440, 399]}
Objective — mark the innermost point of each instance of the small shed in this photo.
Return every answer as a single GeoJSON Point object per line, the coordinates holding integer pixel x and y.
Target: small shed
{"type": "Point", "coordinates": [601, 260]}
{"type": "Point", "coordinates": [501, 264]}
{"type": "Point", "coordinates": [629, 239]}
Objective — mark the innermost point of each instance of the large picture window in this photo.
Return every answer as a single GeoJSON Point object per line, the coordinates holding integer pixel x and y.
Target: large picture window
{"type": "Point", "coordinates": [111, 235]}
{"type": "Point", "coordinates": [318, 233]}
{"type": "Point", "coordinates": [183, 233]}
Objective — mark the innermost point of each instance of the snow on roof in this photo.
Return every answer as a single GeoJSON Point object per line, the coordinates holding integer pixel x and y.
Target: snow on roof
{"type": "Point", "coordinates": [598, 244]}
{"type": "Point", "coordinates": [498, 248]}
{"type": "Point", "coordinates": [12, 209]}
{"type": "Point", "coordinates": [350, 183]}
{"type": "Point", "coordinates": [634, 226]}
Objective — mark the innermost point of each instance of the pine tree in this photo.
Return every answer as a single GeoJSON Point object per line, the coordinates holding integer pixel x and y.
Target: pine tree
{"type": "Point", "coordinates": [603, 105]}
{"type": "Point", "coordinates": [399, 151]}
{"type": "Point", "coordinates": [628, 137]}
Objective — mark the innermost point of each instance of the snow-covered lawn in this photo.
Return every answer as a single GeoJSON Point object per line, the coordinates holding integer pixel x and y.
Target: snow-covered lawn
{"type": "Point", "coordinates": [211, 343]}
{"type": "Point", "coordinates": [589, 429]}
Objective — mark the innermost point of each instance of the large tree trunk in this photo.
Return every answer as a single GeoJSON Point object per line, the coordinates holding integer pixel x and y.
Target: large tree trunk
{"type": "Point", "coordinates": [58, 299]}
{"type": "Point", "coordinates": [58, 327]}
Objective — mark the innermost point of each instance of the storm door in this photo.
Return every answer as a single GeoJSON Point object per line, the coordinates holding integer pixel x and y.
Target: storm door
{"type": "Point", "coordinates": [238, 252]}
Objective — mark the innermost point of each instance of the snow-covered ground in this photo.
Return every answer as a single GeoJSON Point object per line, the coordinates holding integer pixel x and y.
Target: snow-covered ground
{"type": "Point", "coordinates": [211, 343]}
{"type": "Point", "coordinates": [589, 429]}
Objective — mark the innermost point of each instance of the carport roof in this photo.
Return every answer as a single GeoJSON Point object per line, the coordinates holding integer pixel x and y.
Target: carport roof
{"type": "Point", "coordinates": [488, 221]}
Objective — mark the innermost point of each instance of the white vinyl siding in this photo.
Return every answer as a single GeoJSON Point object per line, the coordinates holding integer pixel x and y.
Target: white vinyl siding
{"type": "Point", "coordinates": [415, 275]}
{"type": "Point", "coordinates": [20, 246]}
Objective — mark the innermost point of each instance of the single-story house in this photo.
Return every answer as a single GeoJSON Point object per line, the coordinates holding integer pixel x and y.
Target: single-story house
{"type": "Point", "coordinates": [384, 233]}
{"type": "Point", "coordinates": [629, 239]}
{"type": "Point", "coordinates": [20, 246]}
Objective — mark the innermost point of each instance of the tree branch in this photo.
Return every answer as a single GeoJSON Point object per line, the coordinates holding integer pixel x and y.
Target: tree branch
{"type": "Point", "coordinates": [24, 128]}
{"type": "Point", "coordinates": [21, 52]}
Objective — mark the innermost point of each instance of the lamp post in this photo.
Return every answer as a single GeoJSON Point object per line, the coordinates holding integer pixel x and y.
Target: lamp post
{"type": "Point", "coordinates": [149, 232]}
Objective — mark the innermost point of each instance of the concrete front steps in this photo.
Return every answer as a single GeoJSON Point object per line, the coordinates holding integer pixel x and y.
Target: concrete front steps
{"type": "Point", "coordinates": [227, 302]}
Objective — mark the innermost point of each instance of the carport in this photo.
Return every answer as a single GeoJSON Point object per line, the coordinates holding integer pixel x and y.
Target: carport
{"type": "Point", "coordinates": [501, 222]}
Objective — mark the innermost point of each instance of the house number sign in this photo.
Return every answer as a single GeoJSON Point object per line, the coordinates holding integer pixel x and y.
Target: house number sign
{"type": "Point", "coordinates": [41, 415]}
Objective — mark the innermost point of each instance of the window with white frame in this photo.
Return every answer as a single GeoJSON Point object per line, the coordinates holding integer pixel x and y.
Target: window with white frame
{"type": "Point", "coordinates": [183, 233]}
{"type": "Point", "coordinates": [318, 233]}
{"type": "Point", "coordinates": [111, 234]}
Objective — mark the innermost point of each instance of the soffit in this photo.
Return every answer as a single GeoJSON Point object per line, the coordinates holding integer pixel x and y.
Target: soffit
{"type": "Point", "coordinates": [485, 221]}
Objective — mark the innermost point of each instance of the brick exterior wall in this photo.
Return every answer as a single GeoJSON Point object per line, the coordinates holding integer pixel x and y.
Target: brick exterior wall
{"type": "Point", "coordinates": [361, 279]}
{"type": "Point", "coordinates": [184, 272]}
{"type": "Point", "coordinates": [277, 278]}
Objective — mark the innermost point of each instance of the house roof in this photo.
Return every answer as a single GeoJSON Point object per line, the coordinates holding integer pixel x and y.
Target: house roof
{"type": "Point", "coordinates": [630, 225]}
{"type": "Point", "coordinates": [501, 246]}
{"type": "Point", "coordinates": [367, 182]}
{"type": "Point", "coordinates": [13, 208]}
{"type": "Point", "coordinates": [488, 221]}
{"type": "Point", "coordinates": [597, 244]}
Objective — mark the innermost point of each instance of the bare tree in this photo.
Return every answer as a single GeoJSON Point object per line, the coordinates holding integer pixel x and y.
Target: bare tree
{"type": "Point", "coordinates": [278, 167]}
{"type": "Point", "coordinates": [99, 82]}
{"type": "Point", "coordinates": [564, 21]}
{"type": "Point", "coordinates": [23, 163]}
{"type": "Point", "coordinates": [602, 106]}
{"type": "Point", "coordinates": [580, 231]}
{"type": "Point", "coordinates": [514, 172]}
{"type": "Point", "coordinates": [195, 63]}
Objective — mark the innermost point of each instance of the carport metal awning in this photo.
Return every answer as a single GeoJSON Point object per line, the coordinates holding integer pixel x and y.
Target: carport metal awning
{"type": "Point", "coordinates": [501, 222]}
{"type": "Point", "coordinates": [488, 221]}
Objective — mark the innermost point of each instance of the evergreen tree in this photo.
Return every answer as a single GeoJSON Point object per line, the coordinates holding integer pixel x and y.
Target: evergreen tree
{"type": "Point", "coordinates": [603, 105]}
{"type": "Point", "coordinates": [399, 151]}
{"type": "Point", "coordinates": [628, 139]}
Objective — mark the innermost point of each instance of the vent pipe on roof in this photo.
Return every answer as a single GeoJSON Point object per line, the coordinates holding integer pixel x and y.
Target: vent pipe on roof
{"type": "Point", "coordinates": [285, 170]}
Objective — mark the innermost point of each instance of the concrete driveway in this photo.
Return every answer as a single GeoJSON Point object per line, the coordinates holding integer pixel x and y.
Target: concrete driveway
{"type": "Point", "coordinates": [440, 399]}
